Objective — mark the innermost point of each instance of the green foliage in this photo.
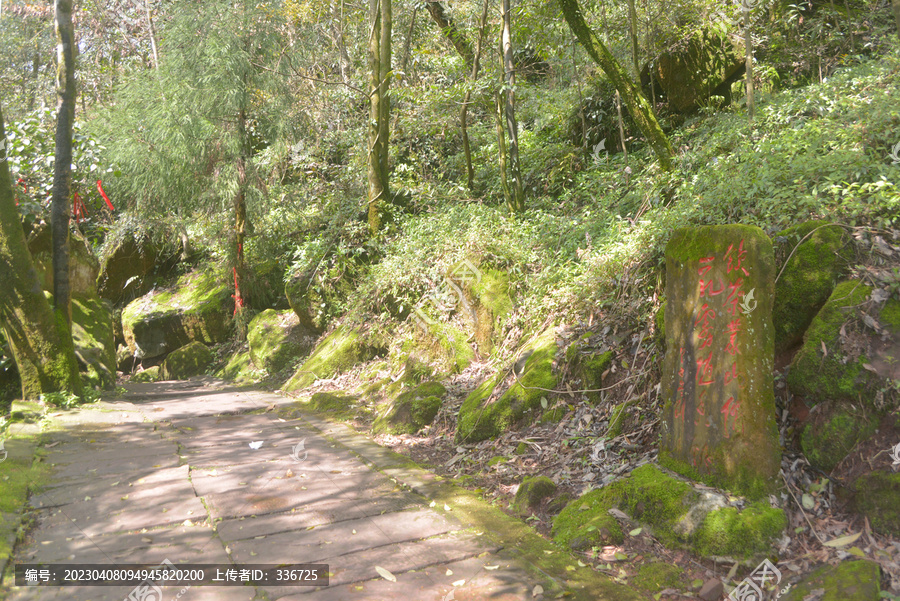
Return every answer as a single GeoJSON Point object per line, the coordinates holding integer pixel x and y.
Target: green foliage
{"type": "Point", "coordinates": [69, 400]}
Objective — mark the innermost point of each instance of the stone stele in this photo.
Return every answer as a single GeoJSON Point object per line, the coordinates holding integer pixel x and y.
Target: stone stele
{"type": "Point", "coordinates": [718, 421]}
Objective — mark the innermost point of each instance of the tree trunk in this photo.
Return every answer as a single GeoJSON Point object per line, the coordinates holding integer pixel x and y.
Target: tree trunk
{"type": "Point", "coordinates": [621, 125]}
{"type": "Point", "coordinates": [895, 7]}
{"type": "Point", "coordinates": [62, 166]}
{"type": "Point", "coordinates": [408, 41]}
{"type": "Point", "coordinates": [748, 46]}
{"type": "Point", "coordinates": [337, 27]}
{"type": "Point", "coordinates": [640, 110]}
{"type": "Point", "coordinates": [41, 346]}
{"type": "Point", "coordinates": [379, 110]}
{"type": "Point", "coordinates": [240, 215]}
{"type": "Point", "coordinates": [464, 112]}
{"type": "Point", "coordinates": [501, 148]}
{"type": "Point", "coordinates": [456, 37]}
{"type": "Point", "coordinates": [635, 58]}
{"type": "Point", "coordinates": [516, 200]}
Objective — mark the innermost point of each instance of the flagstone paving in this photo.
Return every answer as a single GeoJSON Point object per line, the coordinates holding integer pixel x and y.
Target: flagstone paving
{"type": "Point", "coordinates": [184, 472]}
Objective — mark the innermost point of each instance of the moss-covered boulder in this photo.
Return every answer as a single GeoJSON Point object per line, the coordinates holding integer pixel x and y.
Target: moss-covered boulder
{"type": "Point", "coordinates": [240, 369]}
{"type": "Point", "coordinates": [492, 304]}
{"type": "Point", "coordinates": [151, 374]}
{"type": "Point", "coordinates": [338, 405]}
{"type": "Point", "coordinates": [307, 301]}
{"type": "Point", "coordinates": [83, 264]}
{"type": "Point", "coordinates": [132, 259]}
{"type": "Point", "coordinates": [589, 364]}
{"type": "Point", "coordinates": [812, 258]}
{"type": "Point", "coordinates": [196, 308]}
{"type": "Point", "coordinates": [441, 345]}
{"type": "Point", "coordinates": [876, 498]}
{"type": "Point", "coordinates": [483, 415]}
{"type": "Point", "coordinates": [532, 492]}
{"type": "Point", "coordinates": [679, 516]}
{"type": "Point", "coordinates": [190, 360]}
{"type": "Point", "coordinates": [848, 581]}
{"type": "Point", "coordinates": [411, 410]}
{"type": "Point", "coordinates": [276, 339]}
{"type": "Point", "coordinates": [92, 333]}
{"type": "Point", "coordinates": [833, 431]}
{"type": "Point", "coordinates": [336, 353]}
{"type": "Point", "coordinates": [843, 357]}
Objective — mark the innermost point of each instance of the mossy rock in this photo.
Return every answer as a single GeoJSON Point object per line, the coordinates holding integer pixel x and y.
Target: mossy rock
{"type": "Point", "coordinates": [480, 418]}
{"type": "Point", "coordinates": [151, 374]}
{"type": "Point", "coordinates": [617, 418]}
{"type": "Point", "coordinates": [585, 522]}
{"type": "Point", "coordinates": [839, 375]}
{"type": "Point", "coordinates": [847, 581]}
{"type": "Point", "coordinates": [240, 369]}
{"type": "Point", "coordinates": [335, 404]}
{"type": "Point", "coordinates": [876, 498]}
{"type": "Point", "coordinates": [443, 345]}
{"type": "Point", "coordinates": [338, 352]}
{"type": "Point", "coordinates": [675, 513]}
{"type": "Point", "coordinates": [588, 365]}
{"type": "Point", "coordinates": [727, 532]}
{"type": "Point", "coordinates": [276, 339]}
{"type": "Point", "coordinates": [532, 492]}
{"type": "Point", "coordinates": [190, 360]}
{"type": "Point", "coordinates": [808, 277]}
{"type": "Point", "coordinates": [83, 264]}
{"type": "Point", "coordinates": [656, 576]}
{"type": "Point", "coordinates": [92, 333]}
{"type": "Point", "coordinates": [194, 309]}
{"type": "Point", "coordinates": [659, 322]}
{"type": "Point", "coordinates": [412, 410]}
{"type": "Point", "coordinates": [306, 301]}
{"type": "Point", "coordinates": [832, 434]}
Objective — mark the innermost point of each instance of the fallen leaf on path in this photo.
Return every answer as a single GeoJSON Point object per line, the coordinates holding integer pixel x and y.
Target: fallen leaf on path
{"type": "Point", "coordinates": [256, 444]}
{"type": "Point", "coordinates": [385, 574]}
{"type": "Point", "coordinates": [537, 590]}
{"type": "Point", "coordinates": [843, 540]}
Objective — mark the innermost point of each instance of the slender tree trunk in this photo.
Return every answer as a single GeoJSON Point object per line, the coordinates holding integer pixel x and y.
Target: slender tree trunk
{"type": "Point", "coordinates": [39, 339]}
{"type": "Point", "coordinates": [464, 112]}
{"type": "Point", "coordinates": [453, 34]}
{"type": "Point", "coordinates": [621, 125]}
{"type": "Point", "coordinates": [408, 41]}
{"type": "Point", "coordinates": [748, 46]}
{"type": "Point", "coordinates": [635, 57]}
{"type": "Point", "coordinates": [379, 110]}
{"type": "Point", "coordinates": [895, 7]}
{"type": "Point", "coordinates": [501, 148]}
{"type": "Point", "coordinates": [516, 200]}
{"type": "Point", "coordinates": [62, 167]}
{"type": "Point", "coordinates": [640, 110]}
{"type": "Point", "coordinates": [337, 26]}
{"type": "Point", "coordinates": [240, 214]}
{"type": "Point", "coordinates": [35, 70]}
{"type": "Point", "coordinates": [152, 33]}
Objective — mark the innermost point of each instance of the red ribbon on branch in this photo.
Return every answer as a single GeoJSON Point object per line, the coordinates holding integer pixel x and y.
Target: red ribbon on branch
{"type": "Point", "coordinates": [105, 197]}
{"type": "Point", "coordinates": [79, 208]}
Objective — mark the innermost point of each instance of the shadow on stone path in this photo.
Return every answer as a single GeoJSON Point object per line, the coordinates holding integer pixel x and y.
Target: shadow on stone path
{"type": "Point", "coordinates": [167, 472]}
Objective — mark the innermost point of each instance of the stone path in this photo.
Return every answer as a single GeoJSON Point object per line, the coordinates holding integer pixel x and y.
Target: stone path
{"type": "Point", "coordinates": [167, 473]}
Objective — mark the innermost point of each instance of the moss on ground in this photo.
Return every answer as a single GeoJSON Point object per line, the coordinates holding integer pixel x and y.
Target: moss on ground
{"type": "Point", "coordinates": [829, 438]}
{"type": "Point", "coordinates": [656, 576]}
{"type": "Point", "coordinates": [808, 278]}
{"type": "Point", "coordinates": [532, 492]}
{"type": "Point", "coordinates": [847, 581]}
{"type": "Point", "coordinates": [481, 418]}
{"type": "Point", "coordinates": [190, 360]}
{"type": "Point", "coordinates": [817, 376]}
{"type": "Point", "coordinates": [411, 410]}
{"type": "Point", "coordinates": [662, 502]}
{"type": "Point", "coordinates": [617, 418]}
{"type": "Point", "coordinates": [733, 533]}
{"type": "Point", "coordinates": [335, 404]}
{"type": "Point", "coordinates": [876, 498]}
{"type": "Point", "coordinates": [338, 352]}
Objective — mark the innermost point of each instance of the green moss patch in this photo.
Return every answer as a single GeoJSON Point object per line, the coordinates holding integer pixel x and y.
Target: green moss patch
{"type": "Point", "coordinates": [335, 404]}
{"type": "Point", "coordinates": [240, 369]}
{"type": "Point", "coordinates": [657, 576]}
{"type": "Point", "coordinates": [338, 352]}
{"type": "Point", "coordinates": [151, 374]}
{"type": "Point", "coordinates": [807, 278]}
{"type": "Point", "coordinates": [847, 581]}
{"type": "Point", "coordinates": [588, 365]}
{"type": "Point", "coordinates": [617, 418]}
{"type": "Point", "coordinates": [532, 492]}
{"type": "Point", "coordinates": [276, 339]}
{"type": "Point", "coordinates": [493, 305]}
{"type": "Point", "coordinates": [836, 375]}
{"type": "Point", "coordinates": [190, 360]}
{"type": "Point", "coordinates": [666, 504]}
{"type": "Point", "coordinates": [832, 434]}
{"type": "Point", "coordinates": [876, 498]}
{"type": "Point", "coordinates": [411, 410]}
